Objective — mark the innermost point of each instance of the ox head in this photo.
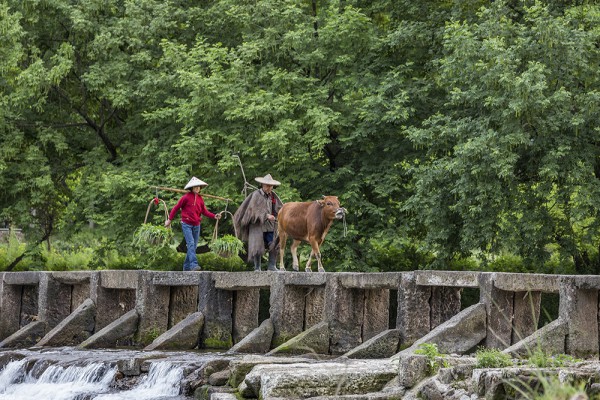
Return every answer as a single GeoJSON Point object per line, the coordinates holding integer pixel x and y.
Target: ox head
{"type": "Point", "coordinates": [331, 207]}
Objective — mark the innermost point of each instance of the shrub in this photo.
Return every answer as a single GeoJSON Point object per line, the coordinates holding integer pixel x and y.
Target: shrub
{"type": "Point", "coordinates": [435, 359]}
{"type": "Point", "coordinates": [492, 358]}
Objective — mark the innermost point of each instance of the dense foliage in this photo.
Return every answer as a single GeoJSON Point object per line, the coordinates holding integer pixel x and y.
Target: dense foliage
{"type": "Point", "coordinates": [460, 134]}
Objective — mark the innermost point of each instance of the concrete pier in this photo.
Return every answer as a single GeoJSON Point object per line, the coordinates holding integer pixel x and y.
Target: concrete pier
{"type": "Point", "coordinates": [354, 313]}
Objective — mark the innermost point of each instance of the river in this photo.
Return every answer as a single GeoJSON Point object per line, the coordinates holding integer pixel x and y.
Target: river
{"type": "Point", "coordinates": [72, 374]}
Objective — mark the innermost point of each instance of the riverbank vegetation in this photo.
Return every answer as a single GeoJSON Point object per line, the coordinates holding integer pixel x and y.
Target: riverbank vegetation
{"type": "Point", "coordinates": [459, 135]}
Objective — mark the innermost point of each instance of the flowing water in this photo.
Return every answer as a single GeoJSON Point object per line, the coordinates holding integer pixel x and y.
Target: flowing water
{"type": "Point", "coordinates": [71, 374]}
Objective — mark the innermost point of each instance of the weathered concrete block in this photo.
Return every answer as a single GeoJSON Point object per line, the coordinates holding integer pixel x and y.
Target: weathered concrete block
{"type": "Point", "coordinates": [334, 378]}
{"type": "Point", "coordinates": [368, 281]}
{"type": "Point", "coordinates": [54, 300]}
{"type": "Point", "coordinates": [383, 345]}
{"type": "Point", "coordinates": [258, 341]}
{"type": "Point", "coordinates": [72, 277]}
{"type": "Point", "coordinates": [183, 301]}
{"type": "Point", "coordinates": [242, 280]}
{"type": "Point", "coordinates": [458, 335]}
{"type": "Point", "coordinates": [499, 308]}
{"type": "Point", "coordinates": [22, 278]}
{"type": "Point", "coordinates": [217, 307]}
{"type": "Point", "coordinates": [242, 366]}
{"type": "Point", "coordinates": [245, 313]}
{"type": "Point", "coordinates": [413, 318]}
{"type": "Point", "coordinates": [287, 305]}
{"type": "Point", "coordinates": [526, 308]}
{"type": "Point", "coordinates": [152, 305]}
{"type": "Point", "coordinates": [74, 329]}
{"type": "Point", "coordinates": [314, 340]}
{"type": "Point", "coordinates": [26, 336]}
{"type": "Point", "coordinates": [377, 313]}
{"type": "Point", "coordinates": [110, 335]}
{"type": "Point", "coordinates": [579, 307]}
{"type": "Point", "coordinates": [513, 282]}
{"type": "Point", "coordinates": [314, 310]}
{"type": "Point", "coordinates": [345, 313]}
{"type": "Point", "coordinates": [114, 303]}
{"type": "Point", "coordinates": [113, 279]}
{"type": "Point", "coordinates": [459, 279]}
{"type": "Point", "coordinates": [10, 304]}
{"type": "Point", "coordinates": [177, 278]}
{"type": "Point", "coordinates": [444, 303]}
{"type": "Point", "coordinates": [550, 338]}
{"type": "Point", "coordinates": [183, 336]}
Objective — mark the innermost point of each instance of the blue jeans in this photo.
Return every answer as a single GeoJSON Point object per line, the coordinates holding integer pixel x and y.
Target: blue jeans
{"type": "Point", "coordinates": [191, 234]}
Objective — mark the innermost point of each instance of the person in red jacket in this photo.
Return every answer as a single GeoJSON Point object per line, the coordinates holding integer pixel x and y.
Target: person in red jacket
{"type": "Point", "coordinates": [192, 209]}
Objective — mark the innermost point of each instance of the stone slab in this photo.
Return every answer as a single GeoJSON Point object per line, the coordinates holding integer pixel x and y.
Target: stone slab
{"type": "Point", "coordinates": [108, 336]}
{"type": "Point", "coordinates": [513, 282]}
{"type": "Point", "coordinates": [550, 338]}
{"type": "Point", "coordinates": [74, 329]}
{"type": "Point", "coordinates": [177, 278]}
{"type": "Point", "coordinates": [119, 279]}
{"type": "Point", "coordinates": [314, 340]}
{"type": "Point", "coordinates": [387, 280]}
{"type": "Point", "coordinates": [27, 336]}
{"type": "Point", "coordinates": [22, 278]}
{"type": "Point", "coordinates": [243, 280]}
{"type": "Point", "coordinates": [447, 278]}
{"type": "Point", "coordinates": [383, 345]}
{"type": "Point", "coordinates": [302, 279]}
{"type": "Point", "coordinates": [258, 341]}
{"type": "Point", "coordinates": [73, 277]}
{"type": "Point", "coordinates": [183, 336]}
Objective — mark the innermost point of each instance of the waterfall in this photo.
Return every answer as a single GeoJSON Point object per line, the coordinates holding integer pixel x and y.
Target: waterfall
{"type": "Point", "coordinates": [90, 381]}
{"type": "Point", "coordinates": [162, 381]}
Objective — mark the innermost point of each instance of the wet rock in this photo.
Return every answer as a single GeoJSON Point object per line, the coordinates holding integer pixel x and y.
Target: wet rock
{"type": "Point", "coordinates": [241, 367]}
{"type": "Point", "coordinates": [219, 378]}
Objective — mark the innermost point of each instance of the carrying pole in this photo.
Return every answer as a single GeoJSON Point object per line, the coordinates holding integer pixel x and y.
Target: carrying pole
{"type": "Point", "coordinates": [185, 191]}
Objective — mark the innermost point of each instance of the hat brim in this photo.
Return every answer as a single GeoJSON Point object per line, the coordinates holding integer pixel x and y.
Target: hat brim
{"type": "Point", "coordinates": [267, 182]}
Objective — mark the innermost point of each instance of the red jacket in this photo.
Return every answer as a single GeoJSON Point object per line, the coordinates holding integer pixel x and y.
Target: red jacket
{"type": "Point", "coordinates": [192, 208]}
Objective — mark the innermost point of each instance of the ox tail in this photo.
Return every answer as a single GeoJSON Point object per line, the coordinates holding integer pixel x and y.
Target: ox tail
{"type": "Point", "coordinates": [275, 243]}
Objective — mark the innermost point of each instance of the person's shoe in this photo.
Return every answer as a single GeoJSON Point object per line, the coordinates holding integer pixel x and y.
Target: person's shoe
{"type": "Point", "coordinates": [257, 268]}
{"type": "Point", "coordinates": [197, 268]}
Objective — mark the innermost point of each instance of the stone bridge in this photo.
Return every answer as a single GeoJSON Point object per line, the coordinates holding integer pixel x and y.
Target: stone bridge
{"type": "Point", "coordinates": [358, 315]}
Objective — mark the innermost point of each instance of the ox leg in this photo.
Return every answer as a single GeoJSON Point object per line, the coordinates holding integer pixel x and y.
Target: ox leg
{"type": "Point", "coordinates": [317, 253]}
{"type": "Point", "coordinates": [282, 243]}
{"type": "Point", "coordinates": [308, 268]}
{"type": "Point", "coordinates": [294, 251]}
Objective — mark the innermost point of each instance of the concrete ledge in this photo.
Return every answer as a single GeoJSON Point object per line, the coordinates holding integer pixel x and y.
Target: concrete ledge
{"type": "Point", "coordinates": [119, 279]}
{"type": "Point", "coordinates": [108, 336]}
{"type": "Point", "coordinates": [447, 278]}
{"type": "Point", "coordinates": [178, 278]}
{"type": "Point", "coordinates": [550, 338]}
{"type": "Point", "coordinates": [72, 277]}
{"type": "Point", "coordinates": [243, 280]}
{"type": "Point", "coordinates": [387, 280]}
{"type": "Point", "coordinates": [512, 282]}
{"type": "Point", "coordinates": [22, 278]}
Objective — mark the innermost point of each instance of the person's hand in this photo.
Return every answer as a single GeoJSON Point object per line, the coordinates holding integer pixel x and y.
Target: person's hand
{"type": "Point", "coordinates": [167, 223]}
{"type": "Point", "coordinates": [218, 215]}
{"type": "Point", "coordinates": [271, 217]}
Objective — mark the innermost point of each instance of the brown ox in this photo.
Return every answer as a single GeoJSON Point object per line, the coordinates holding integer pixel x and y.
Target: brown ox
{"type": "Point", "coordinates": [307, 221]}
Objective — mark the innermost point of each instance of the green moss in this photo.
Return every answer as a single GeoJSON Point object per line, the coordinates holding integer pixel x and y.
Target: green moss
{"type": "Point", "coordinates": [212, 343]}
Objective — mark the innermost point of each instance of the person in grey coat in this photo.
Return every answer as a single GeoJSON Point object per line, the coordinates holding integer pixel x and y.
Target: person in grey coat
{"type": "Point", "coordinates": [255, 221]}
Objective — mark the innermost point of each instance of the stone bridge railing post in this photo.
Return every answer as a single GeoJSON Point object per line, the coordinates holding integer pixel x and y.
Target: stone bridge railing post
{"type": "Point", "coordinates": [579, 306]}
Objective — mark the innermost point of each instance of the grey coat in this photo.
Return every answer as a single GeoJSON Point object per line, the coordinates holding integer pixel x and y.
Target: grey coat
{"type": "Point", "coordinates": [251, 221]}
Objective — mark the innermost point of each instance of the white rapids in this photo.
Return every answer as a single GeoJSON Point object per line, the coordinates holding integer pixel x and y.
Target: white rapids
{"type": "Point", "coordinates": [90, 381]}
